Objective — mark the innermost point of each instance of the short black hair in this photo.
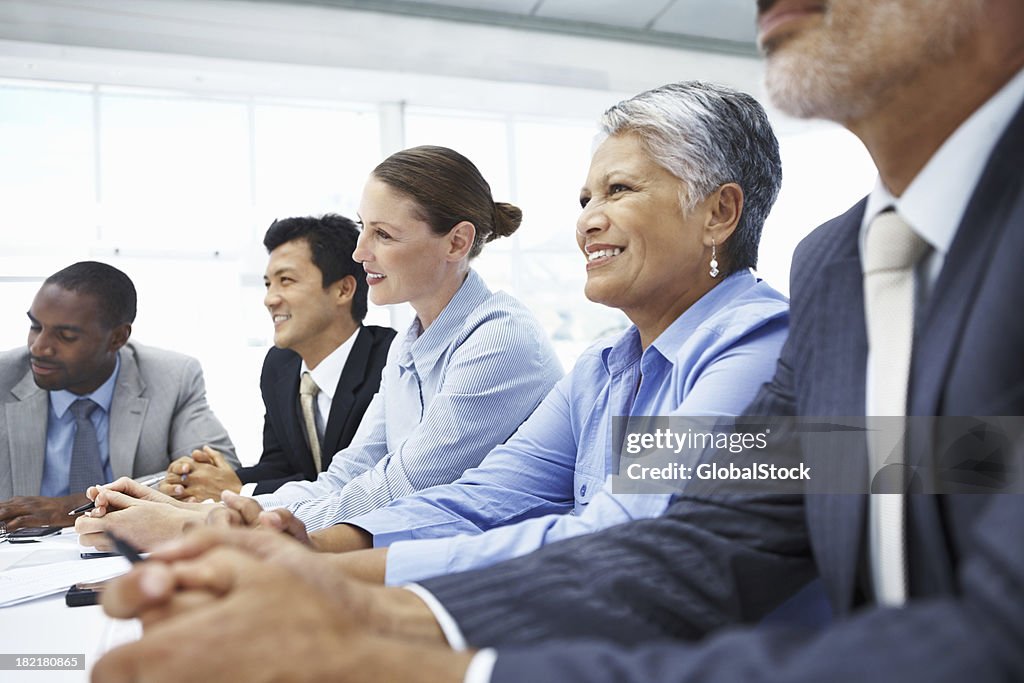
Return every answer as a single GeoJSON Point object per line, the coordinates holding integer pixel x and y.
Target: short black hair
{"type": "Point", "coordinates": [332, 240]}
{"type": "Point", "coordinates": [113, 290]}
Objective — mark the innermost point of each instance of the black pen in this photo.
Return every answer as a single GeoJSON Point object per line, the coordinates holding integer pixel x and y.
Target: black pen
{"type": "Point", "coordinates": [149, 481]}
{"type": "Point", "coordinates": [125, 548]}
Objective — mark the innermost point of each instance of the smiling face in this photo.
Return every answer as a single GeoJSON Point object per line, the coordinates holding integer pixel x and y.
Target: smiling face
{"type": "Point", "coordinates": [841, 59]}
{"type": "Point", "coordinates": [404, 260]}
{"type": "Point", "coordinates": [644, 255]}
{"type": "Point", "coordinates": [307, 316]}
{"type": "Point", "coordinates": [69, 346]}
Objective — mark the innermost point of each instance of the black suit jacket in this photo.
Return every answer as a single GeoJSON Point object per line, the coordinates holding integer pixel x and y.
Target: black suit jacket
{"type": "Point", "coordinates": [655, 587]}
{"type": "Point", "coordinates": [286, 453]}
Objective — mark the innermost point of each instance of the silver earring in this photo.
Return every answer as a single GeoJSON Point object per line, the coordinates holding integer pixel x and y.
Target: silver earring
{"type": "Point", "coordinates": [714, 260]}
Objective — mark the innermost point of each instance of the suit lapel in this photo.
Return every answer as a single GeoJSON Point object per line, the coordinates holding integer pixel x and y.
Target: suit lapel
{"type": "Point", "coordinates": [127, 415]}
{"type": "Point", "coordinates": [352, 377]}
{"type": "Point", "coordinates": [944, 318]}
{"type": "Point", "coordinates": [942, 325]}
{"type": "Point", "coordinates": [286, 394]}
{"type": "Point", "coordinates": [26, 431]}
{"type": "Point", "coordinates": [838, 382]}
{"type": "Point", "coordinates": [937, 341]}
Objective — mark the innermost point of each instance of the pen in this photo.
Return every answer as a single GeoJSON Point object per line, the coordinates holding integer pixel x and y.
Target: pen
{"type": "Point", "coordinates": [149, 481]}
{"type": "Point", "coordinates": [125, 548]}
{"type": "Point", "coordinates": [93, 556]}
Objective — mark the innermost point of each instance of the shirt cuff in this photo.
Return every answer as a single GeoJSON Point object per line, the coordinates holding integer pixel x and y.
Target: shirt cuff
{"type": "Point", "coordinates": [267, 501]}
{"type": "Point", "coordinates": [446, 621]}
{"type": "Point", "coordinates": [386, 526]}
{"type": "Point", "coordinates": [249, 489]}
{"type": "Point", "coordinates": [481, 666]}
{"type": "Point", "coordinates": [416, 560]}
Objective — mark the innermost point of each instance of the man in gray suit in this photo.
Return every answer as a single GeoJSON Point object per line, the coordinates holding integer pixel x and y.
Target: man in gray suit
{"type": "Point", "coordinates": [82, 405]}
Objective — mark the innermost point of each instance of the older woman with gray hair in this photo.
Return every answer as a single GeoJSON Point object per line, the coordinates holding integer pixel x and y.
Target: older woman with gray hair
{"type": "Point", "coordinates": [672, 211]}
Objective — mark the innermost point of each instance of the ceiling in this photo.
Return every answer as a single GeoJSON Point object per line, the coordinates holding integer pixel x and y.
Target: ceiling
{"type": "Point", "coordinates": [559, 58]}
{"type": "Point", "coordinates": [716, 25]}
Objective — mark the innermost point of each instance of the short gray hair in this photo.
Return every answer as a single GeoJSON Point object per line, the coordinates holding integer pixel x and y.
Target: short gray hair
{"type": "Point", "coordinates": [708, 135]}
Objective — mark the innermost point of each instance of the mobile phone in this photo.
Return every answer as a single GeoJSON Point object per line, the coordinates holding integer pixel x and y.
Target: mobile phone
{"type": "Point", "coordinates": [29, 534]}
{"type": "Point", "coordinates": [82, 594]}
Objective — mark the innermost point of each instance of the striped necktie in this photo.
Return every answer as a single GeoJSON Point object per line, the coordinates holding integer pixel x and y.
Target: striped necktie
{"type": "Point", "coordinates": [308, 391]}
{"type": "Point", "coordinates": [86, 467]}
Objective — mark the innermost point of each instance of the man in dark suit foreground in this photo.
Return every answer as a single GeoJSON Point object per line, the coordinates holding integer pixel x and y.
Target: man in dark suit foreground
{"type": "Point", "coordinates": [934, 90]}
{"type": "Point", "coordinates": [316, 296]}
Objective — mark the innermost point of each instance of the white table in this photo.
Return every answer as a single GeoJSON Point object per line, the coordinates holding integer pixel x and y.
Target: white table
{"type": "Point", "coordinates": [47, 626]}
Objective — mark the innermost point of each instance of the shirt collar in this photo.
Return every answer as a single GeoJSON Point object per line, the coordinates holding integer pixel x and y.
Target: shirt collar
{"type": "Point", "coordinates": [424, 347]}
{"type": "Point", "coordinates": [103, 396]}
{"type": "Point", "coordinates": [626, 349]}
{"type": "Point", "coordinates": [327, 373]}
{"type": "Point", "coordinates": [935, 201]}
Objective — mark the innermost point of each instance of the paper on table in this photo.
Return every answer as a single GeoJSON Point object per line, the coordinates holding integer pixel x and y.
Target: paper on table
{"type": "Point", "coordinates": [28, 583]}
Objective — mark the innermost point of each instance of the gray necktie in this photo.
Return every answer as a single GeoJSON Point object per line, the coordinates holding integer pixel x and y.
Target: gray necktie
{"type": "Point", "coordinates": [308, 391]}
{"type": "Point", "coordinates": [86, 467]}
{"type": "Point", "coordinates": [891, 250]}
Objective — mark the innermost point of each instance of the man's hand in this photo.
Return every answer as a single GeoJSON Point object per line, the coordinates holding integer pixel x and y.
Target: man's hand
{"type": "Point", "coordinates": [270, 624]}
{"type": "Point", "coordinates": [23, 511]}
{"type": "Point", "coordinates": [269, 546]}
{"type": "Point", "coordinates": [257, 603]}
{"type": "Point", "coordinates": [201, 476]}
{"type": "Point", "coordinates": [143, 521]}
{"type": "Point", "coordinates": [387, 611]}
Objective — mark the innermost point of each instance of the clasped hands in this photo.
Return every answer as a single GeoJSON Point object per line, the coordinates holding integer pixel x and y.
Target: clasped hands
{"type": "Point", "coordinates": [203, 475]}
{"type": "Point", "coordinates": [147, 518]}
{"type": "Point", "coordinates": [268, 608]}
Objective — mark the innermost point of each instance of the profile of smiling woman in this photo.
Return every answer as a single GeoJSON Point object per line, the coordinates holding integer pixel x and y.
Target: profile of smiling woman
{"type": "Point", "coordinates": [472, 365]}
{"type": "Point", "coordinates": [426, 212]}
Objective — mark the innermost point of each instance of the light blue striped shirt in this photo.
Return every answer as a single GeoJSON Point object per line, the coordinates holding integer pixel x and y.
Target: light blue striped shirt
{"type": "Point", "coordinates": [60, 435]}
{"type": "Point", "coordinates": [447, 396]}
{"type": "Point", "coordinates": [710, 361]}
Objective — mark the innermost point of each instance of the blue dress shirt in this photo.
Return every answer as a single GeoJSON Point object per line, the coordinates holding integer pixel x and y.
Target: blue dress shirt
{"type": "Point", "coordinates": [710, 361]}
{"type": "Point", "coordinates": [448, 395]}
{"type": "Point", "coordinates": [60, 434]}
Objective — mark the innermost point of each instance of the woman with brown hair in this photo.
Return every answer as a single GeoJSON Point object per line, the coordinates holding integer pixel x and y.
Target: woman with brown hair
{"type": "Point", "coordinates": [469, 370]}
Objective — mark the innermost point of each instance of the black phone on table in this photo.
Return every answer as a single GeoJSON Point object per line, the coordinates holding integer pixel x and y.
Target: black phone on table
{"type": "Point", "coordinates": [29, 534]}
{"type": "Point", "coordinates": [82, 594]}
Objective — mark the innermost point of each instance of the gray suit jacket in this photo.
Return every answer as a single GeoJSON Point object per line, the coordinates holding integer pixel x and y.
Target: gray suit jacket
{"type": "Point", "coordinates": [159, 413]}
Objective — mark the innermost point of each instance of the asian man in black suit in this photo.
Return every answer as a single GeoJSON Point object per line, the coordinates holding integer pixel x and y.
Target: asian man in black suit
{"type": "Point", "coordinates": [935, 91]}
{"type": "Point", "coordinates": [316, 297]}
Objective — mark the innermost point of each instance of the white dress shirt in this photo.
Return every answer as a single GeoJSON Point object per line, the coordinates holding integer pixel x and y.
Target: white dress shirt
{"type": "Point", "coordinates": [936, 200]}
{"type": "Point", "coordinates": [327, 373]}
